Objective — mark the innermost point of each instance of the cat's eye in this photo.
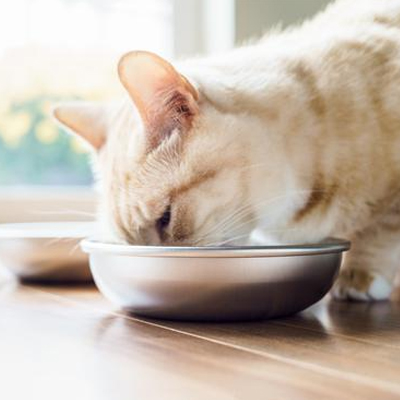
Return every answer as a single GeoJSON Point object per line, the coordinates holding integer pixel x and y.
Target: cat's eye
{"type": "Point", "coordinates": [163, 222]}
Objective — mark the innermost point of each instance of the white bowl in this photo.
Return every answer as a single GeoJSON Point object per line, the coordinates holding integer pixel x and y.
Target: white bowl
{"type": "Point", "coordinates": [46, 251]}
{"type": "Point", "coordinates": [214, 283]}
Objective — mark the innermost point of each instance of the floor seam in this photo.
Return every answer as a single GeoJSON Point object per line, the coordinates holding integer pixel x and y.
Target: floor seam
{"type": "Point", "coordinates": [348, 376]}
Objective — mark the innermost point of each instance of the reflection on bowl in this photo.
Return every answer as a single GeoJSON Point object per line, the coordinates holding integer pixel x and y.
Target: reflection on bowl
{"type": "Point", "coordinates": [46, 252]}
{"type": "Point", "coordinates": [215, 283]}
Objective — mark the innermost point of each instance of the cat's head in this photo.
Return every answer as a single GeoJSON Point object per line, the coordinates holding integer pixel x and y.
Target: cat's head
{"type": "Point", "coordinates": [171, 166]}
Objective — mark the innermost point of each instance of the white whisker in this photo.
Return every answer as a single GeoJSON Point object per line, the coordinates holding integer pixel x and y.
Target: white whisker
{"type": "Point", "coordinates": [233, 222]}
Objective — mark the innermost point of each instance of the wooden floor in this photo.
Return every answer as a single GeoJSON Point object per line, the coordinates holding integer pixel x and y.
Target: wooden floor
{"type": "Point", "coordinates": [70, 343]}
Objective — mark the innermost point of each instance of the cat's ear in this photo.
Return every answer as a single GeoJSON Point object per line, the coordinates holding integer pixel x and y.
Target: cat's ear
{"type": "Point", "coordinates": [85, 119]}
{"type": "Point", "coordinates": [164, 98]}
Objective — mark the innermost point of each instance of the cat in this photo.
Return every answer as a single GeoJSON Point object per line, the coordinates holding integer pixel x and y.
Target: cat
{"type": "Point", "coordinates": [297, 134]}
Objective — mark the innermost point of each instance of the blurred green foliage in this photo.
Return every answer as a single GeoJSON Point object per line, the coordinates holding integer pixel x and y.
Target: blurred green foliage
{"type": "Point", "coordinates": [35, 151]}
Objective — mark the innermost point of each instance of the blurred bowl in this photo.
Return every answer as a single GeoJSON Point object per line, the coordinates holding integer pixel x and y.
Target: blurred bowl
{"type": "Point", "coordinates": [46, 251]}
{"type": "Point", "coordinates": [215, 283]}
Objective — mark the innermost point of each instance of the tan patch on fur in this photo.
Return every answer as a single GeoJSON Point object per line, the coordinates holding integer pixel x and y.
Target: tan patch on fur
{"type": "Point", "coordinates": [376, 52]}
{"type": "Point", "coordinates": [196, 181]}
{"type": "Point", "coordinates": [307, 78]}
{"type": "Point", "coordinates": [391, 226]}
{"type": "Point", "coordinates": [183, 226]}
{"type": "Point", "coordinates": [384, 20]}
{"type": "Point", "coordinates": [372, 60]}
{"type": "Point", "coordinates": [381, 71]}
{"type": "Point", "coordinates": [358, 279]}
{"type": "Point", "coordinates": [390, 220]}
{"type": "Point", "coordinates": [320, 197]}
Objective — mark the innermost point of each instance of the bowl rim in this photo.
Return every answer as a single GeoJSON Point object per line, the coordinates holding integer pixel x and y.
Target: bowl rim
{"type": "Point", "coordinates": [328, 246]}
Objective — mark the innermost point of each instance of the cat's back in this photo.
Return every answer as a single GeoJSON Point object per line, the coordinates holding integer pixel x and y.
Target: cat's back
{"type": "Point", "coordinates": [342, 20]}
{"type": "Point", "coordinates": [347, 53]}
{"type": "Point", "coordinates": [354, 48]}
{"type": "Point", "coordinates": [350, 52]}
{"type": "Point", "coordinates": [348, 29]}
{"type": "Point", "coordinates": [357, 13]}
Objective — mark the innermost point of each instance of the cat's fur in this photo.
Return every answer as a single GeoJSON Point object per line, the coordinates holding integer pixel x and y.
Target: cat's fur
{"type": "Point", "coordinates": [298, 134]}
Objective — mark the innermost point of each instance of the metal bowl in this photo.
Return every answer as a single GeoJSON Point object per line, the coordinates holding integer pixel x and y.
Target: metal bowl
{"type": "Point", "coordinates": [46, 251]}
{"type": "Point", "coordinates": [215, 283]}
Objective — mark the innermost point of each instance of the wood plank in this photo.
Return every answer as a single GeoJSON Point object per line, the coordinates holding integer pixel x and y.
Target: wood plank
{"type": "Point", "coordinates": [374, 323]}
{"type": "Point", "coordinates": [358, 342]}
{"type": "Point", "coordinates": [307, 361]}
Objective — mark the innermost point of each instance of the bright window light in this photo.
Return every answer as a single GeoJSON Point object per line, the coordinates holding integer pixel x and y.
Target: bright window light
{"type": "Point", "coordinates": [52, 50]}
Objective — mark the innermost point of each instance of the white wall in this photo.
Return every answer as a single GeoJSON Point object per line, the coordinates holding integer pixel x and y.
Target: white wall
{"type": "Point", "coordinates": [254, 17]}
{"type": "Point", "coordinates": [209, 26]}
{"type": "Point", "coordinates": [188, 27]}
{"type": "Point", "coordinates": [203, 26]}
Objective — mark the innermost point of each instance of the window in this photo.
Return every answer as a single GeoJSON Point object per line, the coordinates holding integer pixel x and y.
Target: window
{"type": "Point", "coordinates": [53, 50]}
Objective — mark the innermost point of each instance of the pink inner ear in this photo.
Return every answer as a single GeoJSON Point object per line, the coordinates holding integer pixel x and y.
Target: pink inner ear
{"type": "Point", "coordinates": [164, 98]}
{"type": "Point", "coordinates": [176, 111]}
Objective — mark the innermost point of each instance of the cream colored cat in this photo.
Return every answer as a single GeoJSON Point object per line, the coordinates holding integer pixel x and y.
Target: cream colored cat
{"type": "Point", "coordinates": [298, 134]}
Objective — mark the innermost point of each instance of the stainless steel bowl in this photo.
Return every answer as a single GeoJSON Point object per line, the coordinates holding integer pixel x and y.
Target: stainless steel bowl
{"type": "Point", "coordinates": [46, 251]}
{"type": "Point", "coordinates": [215, 283]}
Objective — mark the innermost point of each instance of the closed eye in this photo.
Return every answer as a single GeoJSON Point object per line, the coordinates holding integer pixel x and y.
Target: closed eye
{"type": "Point", "coordinates": [163, 222]}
